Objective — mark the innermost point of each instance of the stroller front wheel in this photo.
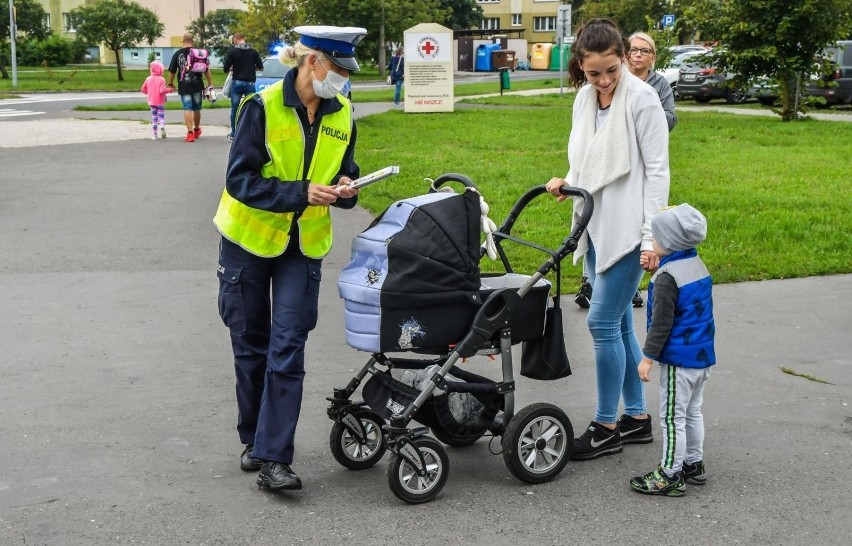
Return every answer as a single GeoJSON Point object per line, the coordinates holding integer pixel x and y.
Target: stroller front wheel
{"type": "Point", "coordinates": [404, 481]}
{"type": "Point", "coordinates": [346, 447]}
{"type": "Point", "coordinates": [537, 443]}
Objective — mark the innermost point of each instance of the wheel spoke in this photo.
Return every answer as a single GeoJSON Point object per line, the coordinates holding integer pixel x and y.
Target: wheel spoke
{"type": "Point", "coordinates": [530, 460]}
{"type": "Point", "coordinates": [550, 451]}
{"type": "Point", "coordinates": [550, 432]}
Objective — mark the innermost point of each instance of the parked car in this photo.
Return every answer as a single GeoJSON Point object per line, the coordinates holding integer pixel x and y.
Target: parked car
{"type": "Point", "coordinates": [678, 49]}
{"type": "Point", "coordinates": [673, 70]}
{"type": "Point", "coordinates": [705, 83]}
{"type": "Point", "coordinates": [841, 76]}
{"type": "Point", "coordinates": [273, 71]}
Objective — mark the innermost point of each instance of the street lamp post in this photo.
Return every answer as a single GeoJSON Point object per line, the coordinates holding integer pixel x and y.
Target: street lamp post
{"type": "Point", "coordinates": [13, 29]}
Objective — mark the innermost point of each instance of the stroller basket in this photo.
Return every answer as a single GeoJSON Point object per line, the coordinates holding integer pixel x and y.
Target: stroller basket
{"type": "Point", "coordinates": [386, 395]}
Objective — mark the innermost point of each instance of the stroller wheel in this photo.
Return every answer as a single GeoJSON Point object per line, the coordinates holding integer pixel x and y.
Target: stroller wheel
{"type": "Point", "coordinates": [537, 443]}
{"type": "Point", "coordinates": [348, 450]}
{"type": "Point", "coordinates": [414, 489]}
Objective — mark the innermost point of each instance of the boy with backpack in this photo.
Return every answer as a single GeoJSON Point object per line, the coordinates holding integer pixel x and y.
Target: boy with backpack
{"type": "Point", "coordinates": [190, 64]}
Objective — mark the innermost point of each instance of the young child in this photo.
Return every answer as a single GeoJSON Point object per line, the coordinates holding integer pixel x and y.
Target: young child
{"type": "Point", "coordinates": [680, 337]}
{"type": "Point", "coordinates": [156, 89]}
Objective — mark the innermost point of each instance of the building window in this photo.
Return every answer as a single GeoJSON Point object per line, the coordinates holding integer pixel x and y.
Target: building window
{"type": "Point", "coordinates": [66, 23]}
{"type": "Point", "coordinates": [492, 23]}
{"type": "Point", "coordinates": [47, 20]}
{"type": "Point", "coordinates": [134, 55]}
{"type": "Point", "coordinates": [544, 24]}
{"type": "Point", "coordinates": [516, 19]}
{"type": "Point", "coordinates": [545, 1]}
{"type": "Point", "coordinates": [487, 1]}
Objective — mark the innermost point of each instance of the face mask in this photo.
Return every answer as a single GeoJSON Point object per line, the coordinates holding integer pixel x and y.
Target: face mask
{"type": "Point", "coordinates": [330, 86]}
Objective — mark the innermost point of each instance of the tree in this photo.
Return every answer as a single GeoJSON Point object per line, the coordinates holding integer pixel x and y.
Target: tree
{"type": "Point", "coordinates": [778, 39]}
{"type": "Point", "coordinates": [461, 14]}
{"type": "Point", "coordinates": [214, 30]}
{"type": "Point", "coordinates": [629, 15]}
{"type": "Point", "coordinates": [385, 20]}
{"type": "Point", "coordinates": [29, 20]}
{"type": "Point", "coordinates": [268, 21]}
{"type": "Point", "coordinates": [118, 24]}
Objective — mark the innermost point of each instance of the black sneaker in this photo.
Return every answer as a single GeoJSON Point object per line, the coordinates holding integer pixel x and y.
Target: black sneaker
{"type": "Point", "coordinates": [694, 473]}
{"type": "Point", "coordinates": [635, 431]}
{"type": "Point", "coordinates": [584, 295]}
{"type": "Point", "coordinates": [637, 299]}
{"type": "Point", "coordinates": [596, 442]}
{"type": "Point", "coordinates": [657, 483]}
{"type": "Point", "coordinates": [247, 462]}
{"type": "Point", "coordinates": [275, 475]}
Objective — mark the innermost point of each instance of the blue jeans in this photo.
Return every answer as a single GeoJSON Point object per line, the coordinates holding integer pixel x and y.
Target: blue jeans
{"type": "Point", "coordinates": [239, 89]}
{"type": "Point", "coordinates": [397, 89]}
{"type": "Point", "coordinates": [617, 351]}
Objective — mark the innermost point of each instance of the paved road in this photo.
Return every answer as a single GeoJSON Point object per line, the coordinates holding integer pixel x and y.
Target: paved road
{"type": "Point", "coordinates": [118, 413]}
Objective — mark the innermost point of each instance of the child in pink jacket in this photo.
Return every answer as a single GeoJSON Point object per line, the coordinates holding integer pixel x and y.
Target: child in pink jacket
{"type": "Point", "coordinates": [156, 89]}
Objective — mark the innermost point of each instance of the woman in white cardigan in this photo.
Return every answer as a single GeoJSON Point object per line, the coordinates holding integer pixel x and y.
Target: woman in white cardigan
{"type": "Point", "coordinates": [618, 151]}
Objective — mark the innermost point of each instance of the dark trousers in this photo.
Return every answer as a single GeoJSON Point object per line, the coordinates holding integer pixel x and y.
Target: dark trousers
{"type": "Point", "coordinates": [269, 305]}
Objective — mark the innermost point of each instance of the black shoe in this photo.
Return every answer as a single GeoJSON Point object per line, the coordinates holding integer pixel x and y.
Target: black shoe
{"type": "Point", "coordinates": [657, 483]}
{"type": "Point", "coordinates": [596, 442]}
{"type": "Point", "coordinates": [635, 431]}
{"type": "Point", "coordinates": [694, 473]}
{"type": "Point", "coordinates": [637, 299]}
{"type": "Point", "coordinates": [247, 462]}
{"type": "Point", "coordinates": [584, 295]}
{"type": "Point", "coordinates": [275, 475]}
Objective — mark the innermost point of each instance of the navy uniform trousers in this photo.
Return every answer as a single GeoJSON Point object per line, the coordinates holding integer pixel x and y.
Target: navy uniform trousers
{"type": "Point", "coordinates": [269, 305]}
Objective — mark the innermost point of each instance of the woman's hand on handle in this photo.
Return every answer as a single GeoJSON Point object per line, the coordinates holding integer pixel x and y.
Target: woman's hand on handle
{"type": "Point", "coordinates": [553, 186]}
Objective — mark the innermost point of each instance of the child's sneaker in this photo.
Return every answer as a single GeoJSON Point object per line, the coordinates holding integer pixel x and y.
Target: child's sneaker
{"type": "Point", "coordinates": [596, 442]}
{"type": "Point", "coordinates": [162, 132]}
{"type": "Point", "coordinates": [584, 295]}
{"type": "Point", "coordinates": [635, 431]}
{"type": "Point", "coordinates": [154, 137]}
{"type": "Point", "coordinates": [197, 133]}
{"type": "Point", "coordinates": [694, 473]}
{"type": "Point", "coordinates": [190, 137]}
{"type": "Point", "coordinates": [657, 483]}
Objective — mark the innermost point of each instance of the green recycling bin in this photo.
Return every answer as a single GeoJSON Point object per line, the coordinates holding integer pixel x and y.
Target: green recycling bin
{"type": "Point", "coordinates": [554, 56]}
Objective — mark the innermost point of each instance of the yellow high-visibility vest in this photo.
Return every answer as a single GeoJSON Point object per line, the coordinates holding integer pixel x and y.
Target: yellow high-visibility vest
{"type": "Point", "coordinates": [267, 233]}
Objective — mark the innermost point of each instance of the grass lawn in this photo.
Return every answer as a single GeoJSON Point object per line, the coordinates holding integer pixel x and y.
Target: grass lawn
{"type": "Point", "coordinates": [774, 193]}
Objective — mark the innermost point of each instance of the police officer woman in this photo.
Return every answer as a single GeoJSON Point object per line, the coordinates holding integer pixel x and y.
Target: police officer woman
{"type": "Point", "coordinates": [292, 157]}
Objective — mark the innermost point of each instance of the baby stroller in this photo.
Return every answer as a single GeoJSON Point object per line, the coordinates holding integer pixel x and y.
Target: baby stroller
{"type": "Point", "coordinates": [414, 285]}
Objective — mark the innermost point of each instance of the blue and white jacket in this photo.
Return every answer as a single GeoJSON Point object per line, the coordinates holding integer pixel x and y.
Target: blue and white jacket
{"type": "Point", "coordinates": [691, 341]}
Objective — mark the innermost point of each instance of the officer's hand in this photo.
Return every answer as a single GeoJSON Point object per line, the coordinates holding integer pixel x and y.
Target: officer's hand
{"type": "Point", "coordinates": [321, 195]}
{"type": "Point", "coordinates": [342, 188]}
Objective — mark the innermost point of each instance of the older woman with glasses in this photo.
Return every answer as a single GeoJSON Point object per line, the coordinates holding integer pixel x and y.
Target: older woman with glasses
{"type": "Point", "coordinates": [640, 61]}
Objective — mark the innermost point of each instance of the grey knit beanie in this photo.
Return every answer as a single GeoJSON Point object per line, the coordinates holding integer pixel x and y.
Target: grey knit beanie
{"type": "Point", "coordinates": [679, 228]}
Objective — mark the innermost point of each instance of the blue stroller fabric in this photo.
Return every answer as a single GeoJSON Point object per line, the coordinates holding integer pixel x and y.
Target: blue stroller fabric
{"type": "Point", "coordinates": [413, 280]}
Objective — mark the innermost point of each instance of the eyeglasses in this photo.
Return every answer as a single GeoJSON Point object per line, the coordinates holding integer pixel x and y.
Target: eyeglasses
{"type": "Point", "coordinates": [642, 50]}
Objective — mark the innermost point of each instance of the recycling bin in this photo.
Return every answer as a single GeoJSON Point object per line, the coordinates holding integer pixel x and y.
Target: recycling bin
{"type": "Point", "coordinates": [503, 58]}
{"type": "Point", "coordinates": [554, 56]}
{"type": "Point", "coordinates": [483, 57]}
{"type": "Point", "coordinates": [540, 56]}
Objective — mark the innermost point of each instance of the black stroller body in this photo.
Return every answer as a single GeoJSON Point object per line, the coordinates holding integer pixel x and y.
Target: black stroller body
{"type": "Point", "coordinates": [414, 285]}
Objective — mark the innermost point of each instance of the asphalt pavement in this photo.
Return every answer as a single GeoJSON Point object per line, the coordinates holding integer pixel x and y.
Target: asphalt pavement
{"type": "Point", "coordinates": [117, 406]}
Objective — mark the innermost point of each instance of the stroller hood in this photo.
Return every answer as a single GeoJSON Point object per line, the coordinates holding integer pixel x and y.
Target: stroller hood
{"type": "Point", "coordinates": [422, 252]}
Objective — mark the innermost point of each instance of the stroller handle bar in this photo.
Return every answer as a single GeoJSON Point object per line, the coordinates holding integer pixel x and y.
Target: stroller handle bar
{"type": "Point", "coordinates": [451, 177]}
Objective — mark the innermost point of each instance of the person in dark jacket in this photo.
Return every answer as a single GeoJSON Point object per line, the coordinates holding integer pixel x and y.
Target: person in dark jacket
{"type": "Point", "coordinates": [291, 160]}
{"type": "Point", "coordinates": [681, 337]}
{"type": "Point", "coordinates": [243, 63]}
{"type": "Point", "coordinates": [396, 67]}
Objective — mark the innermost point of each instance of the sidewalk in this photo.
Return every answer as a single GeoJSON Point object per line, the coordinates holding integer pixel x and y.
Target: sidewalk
{"type": "Point", "coordinates": [117, 393]}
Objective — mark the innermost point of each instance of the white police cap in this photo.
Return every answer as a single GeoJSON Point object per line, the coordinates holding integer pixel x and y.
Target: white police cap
{"type": "Point", "coordinates": [338, 43]}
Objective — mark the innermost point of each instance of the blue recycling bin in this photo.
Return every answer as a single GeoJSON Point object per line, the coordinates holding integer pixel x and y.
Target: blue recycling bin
{"type": "Point", "coordinates": [483, 57]}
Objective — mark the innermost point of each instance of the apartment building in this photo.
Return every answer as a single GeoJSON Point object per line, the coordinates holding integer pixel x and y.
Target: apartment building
{"type": "Point", "coordinates": [535, 20]}
{"type": "Point", "coordinates": [174, 14]}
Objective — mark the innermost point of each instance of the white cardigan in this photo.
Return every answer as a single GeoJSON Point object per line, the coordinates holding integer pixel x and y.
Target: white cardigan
{"type": "Point", "coordinates": [624, 206]}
